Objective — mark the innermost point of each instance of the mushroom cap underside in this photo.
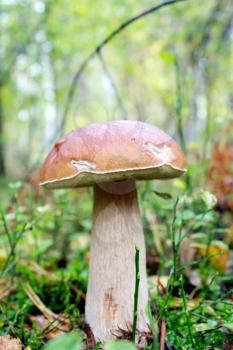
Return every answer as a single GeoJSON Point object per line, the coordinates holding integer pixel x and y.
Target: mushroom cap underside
{"type": "Point", "coordinates": [112, 151]}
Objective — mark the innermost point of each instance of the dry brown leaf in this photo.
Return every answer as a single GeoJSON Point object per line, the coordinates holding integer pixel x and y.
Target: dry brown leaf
{"type": "Point", "coordinates": [218, 256]}
{"type": "Point", "coordinates": [10, 343]}
{"type": "Point", "coordinates": [220, 175]}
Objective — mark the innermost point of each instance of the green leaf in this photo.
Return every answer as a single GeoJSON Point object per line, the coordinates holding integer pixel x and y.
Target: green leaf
{"type": "Point", "coordinates": [119, 345]}
{"type": "Point", "coordinates": [199, 236]}
{"type": "Point", "coordinates": [167, 57]}
{"type": "Point", "coordinates": [166, 196]}
{"type": "Point", "coordinates": [207, 309]}
{"type": "Point", "coordinates": [228, 325]}
{"type": "Point", "coordinates": [203, 327]}
{"type": "Point", "coordinates": [71, 341]}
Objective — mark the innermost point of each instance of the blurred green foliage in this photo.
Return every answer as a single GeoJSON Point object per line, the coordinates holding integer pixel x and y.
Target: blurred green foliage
{"type": "Point", "coordinates": [174, 66]}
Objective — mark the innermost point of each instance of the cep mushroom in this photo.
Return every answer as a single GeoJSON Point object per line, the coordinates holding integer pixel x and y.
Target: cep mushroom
{"type": "Point", "coordinates": [110, 157]}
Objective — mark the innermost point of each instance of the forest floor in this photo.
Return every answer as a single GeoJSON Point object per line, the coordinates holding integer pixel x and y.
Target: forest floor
{"type": "Point", "coordinates": [44, 259]}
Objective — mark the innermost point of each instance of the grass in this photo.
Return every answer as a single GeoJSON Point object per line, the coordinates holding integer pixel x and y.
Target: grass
{"type": "Point", "coordinates": [44, 259]}
{"type": "Point", "coordinates": [137, 282]}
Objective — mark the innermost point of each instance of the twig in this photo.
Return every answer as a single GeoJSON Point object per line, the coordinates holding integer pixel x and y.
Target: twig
{"type": "Point", "coordinates": [7, 303]}
{"type": "Point", "coordinates": [114, 87]}
{"type": "Point", "coordinates": [51, 316]}
{"type": "Point", "coordinates": [174, 245]}
{"type": "Point", "coordinates": [162, 334]}
{"type": "Point", "coordinates": [39, 304]}
{"type": "Point", "coordinates": [5, 292]}
{"type": "Point", "coordinates": [137, 281]}
{"type": "Point", "coordinates": [99, 47]}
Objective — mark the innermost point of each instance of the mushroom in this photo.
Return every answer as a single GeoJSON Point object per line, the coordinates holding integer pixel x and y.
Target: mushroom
{"type": "Point", "coordinates": [110, 157]}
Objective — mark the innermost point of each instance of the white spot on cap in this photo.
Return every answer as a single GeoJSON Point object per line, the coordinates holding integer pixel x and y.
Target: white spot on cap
{"type": "Point", "coordinates": [162, 152]}
{"type": "Point", "coordinates": [83, 165]}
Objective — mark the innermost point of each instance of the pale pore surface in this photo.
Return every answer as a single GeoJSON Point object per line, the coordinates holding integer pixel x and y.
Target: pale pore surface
{"type": "Point", "coordinates": [117, 228]}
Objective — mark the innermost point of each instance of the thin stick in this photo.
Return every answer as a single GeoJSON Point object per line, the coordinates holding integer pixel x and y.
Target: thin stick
{"type": "Point", "coordinates": [162, 334]}
{"type": "Point", "coordinates": [114, 86]}
{"type": "Point", "coordinates": [137, 281]}
{"type": "Point", "coordinates": [174, 245]}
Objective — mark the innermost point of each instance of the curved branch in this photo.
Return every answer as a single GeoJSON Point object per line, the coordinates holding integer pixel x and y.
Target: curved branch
{"type": "Point", "coordinates": [114, 86]}
{"type": "Point", "coordinates": [99, 47]}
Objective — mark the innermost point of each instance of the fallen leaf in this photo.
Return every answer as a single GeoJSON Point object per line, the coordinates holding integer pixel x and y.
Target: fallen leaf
{"type": "Point", "coordinates": [10, 343]}
{"type": "Point", "coordinates": [218, 255]}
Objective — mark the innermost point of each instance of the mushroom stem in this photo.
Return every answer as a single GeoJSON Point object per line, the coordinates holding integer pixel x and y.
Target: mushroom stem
{"type": "Point", "coordinates": [117, 228]}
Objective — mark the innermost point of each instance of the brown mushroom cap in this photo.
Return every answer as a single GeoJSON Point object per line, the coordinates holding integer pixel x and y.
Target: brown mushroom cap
{"type": "Point", "coordinates": [112, 151]}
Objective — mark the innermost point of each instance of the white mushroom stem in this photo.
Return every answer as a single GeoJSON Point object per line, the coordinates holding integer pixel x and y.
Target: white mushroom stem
{"type": "Point", "coordinates": [117, 228]}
